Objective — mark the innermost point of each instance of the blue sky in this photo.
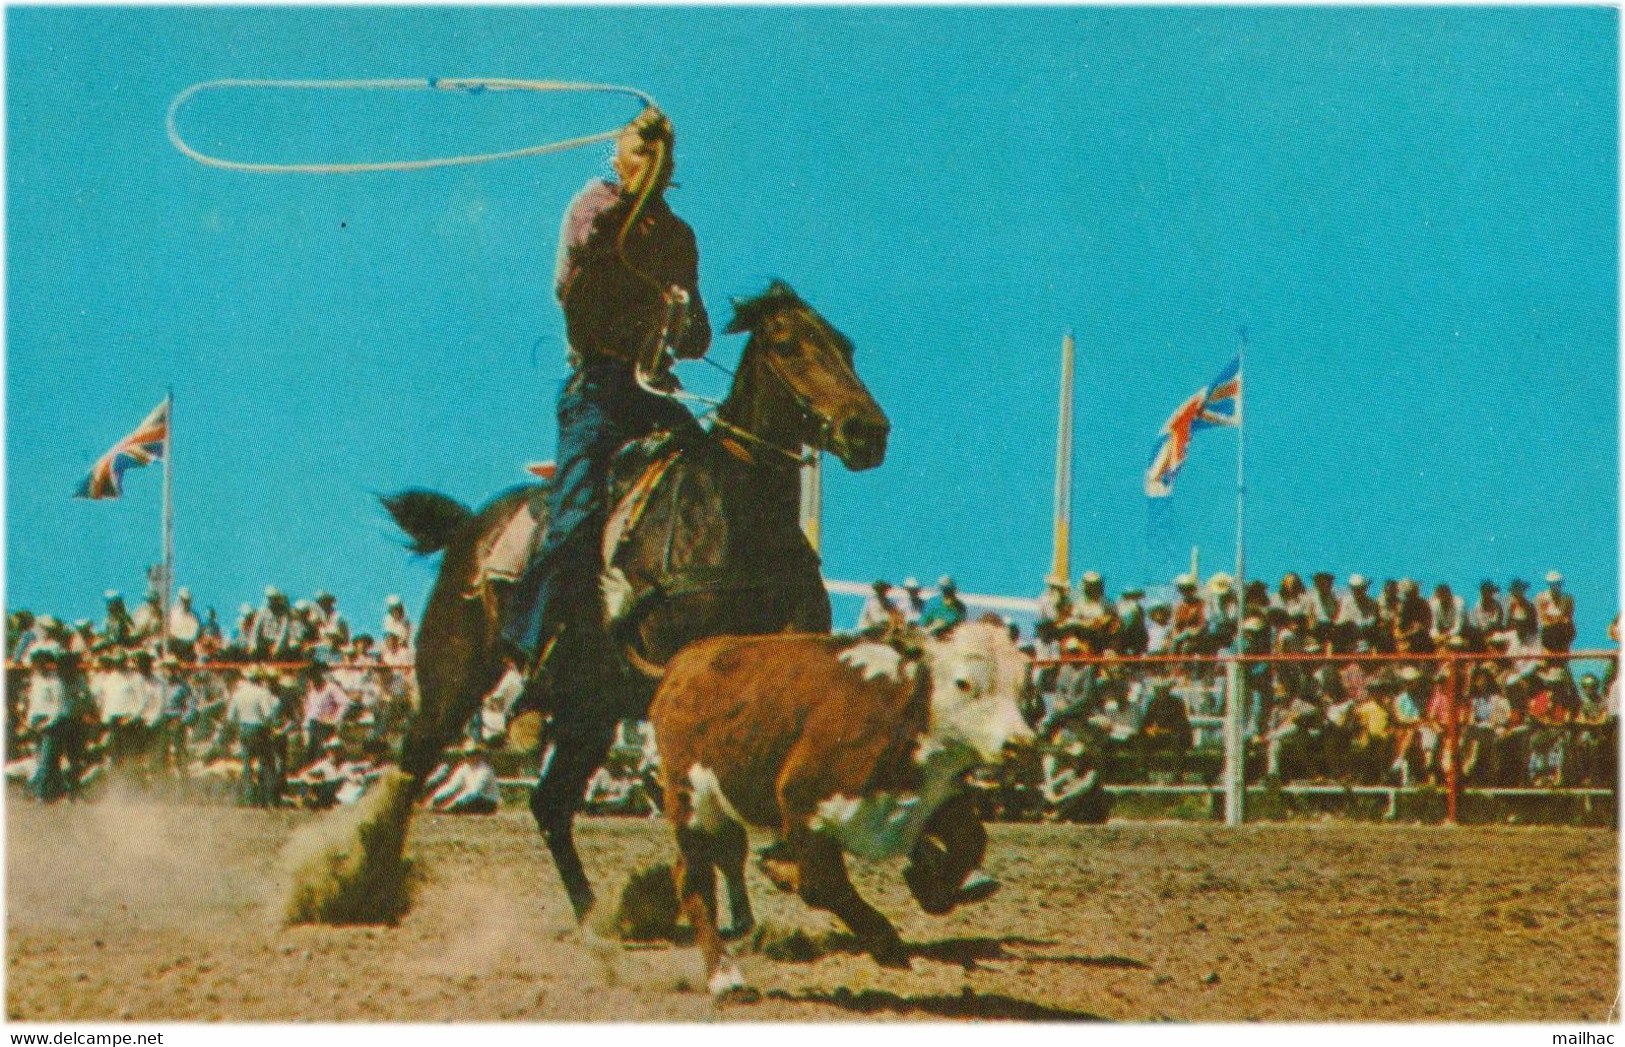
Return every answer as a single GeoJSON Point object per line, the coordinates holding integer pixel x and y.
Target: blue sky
{"type": "Point", "coordinates": [1413, 211]}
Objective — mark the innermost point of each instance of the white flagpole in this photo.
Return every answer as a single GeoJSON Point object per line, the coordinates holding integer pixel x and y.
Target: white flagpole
{"type": "Point", "coordinates": [168, 583]}
{"type": "Point", "coordinates": [1235, 785]}
{"type": "Point", "coordinates": [812, 500]}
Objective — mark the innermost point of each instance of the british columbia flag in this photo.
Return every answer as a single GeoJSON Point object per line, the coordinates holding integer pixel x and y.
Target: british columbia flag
{"type": "Point", "coordinates": [142, 447]}
{"type": "Point", "coordinates": [1214, 405]}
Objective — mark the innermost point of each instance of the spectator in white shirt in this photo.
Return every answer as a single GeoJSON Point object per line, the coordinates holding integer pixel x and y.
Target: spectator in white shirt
{"type": "Point", "coordinates": [184, 626]}
{"type": "Point", "coordinates": [878, 616]}
{"type": "Point", "coordinates": [498, 705]}
{"type": "Point", "coordinates": [472, 787]}
{"type": "Point", "coordinates": [395, 621]}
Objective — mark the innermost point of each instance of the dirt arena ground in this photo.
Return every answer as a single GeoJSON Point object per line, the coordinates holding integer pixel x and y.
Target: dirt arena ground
{"type": "Point", "coordinates": [142, 912]}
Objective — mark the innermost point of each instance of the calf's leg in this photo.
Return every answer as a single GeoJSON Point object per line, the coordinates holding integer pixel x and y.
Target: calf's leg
{"type": "Point", "coordinates": [729, 848]}
{"type": "Point", "coordinates": [824, 885]}
{"type": "Point", "coordinates": [696, 893]}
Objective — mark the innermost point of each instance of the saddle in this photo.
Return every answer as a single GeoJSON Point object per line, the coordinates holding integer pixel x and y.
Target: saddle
{"type": "Point", "coordinates": [507, 551]}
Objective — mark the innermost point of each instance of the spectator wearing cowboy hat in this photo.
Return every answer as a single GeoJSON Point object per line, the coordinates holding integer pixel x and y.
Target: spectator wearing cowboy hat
{"type": "Point", "coordinates": [1133, 635]}
{"type": "Point", "coordinates": [472, 787]}
{"type": "Point", "coordinates": [1292, 599]}
{"type": "Point", "coordinates": [945, 610]}
{"type": "Point", "coordinates": [914, 602]}
{"type": "Point", "coordinates": [1449, 616]}
{"type": "Point", "coordinates": [1093, 615]}
{"type": "Point", "coordinates": [1486, 617]}
{"type": "Point", "coordinates": [319, 782]}
{"type": "Point", "coordinates": [117, 628]}
{"type": "Point", "coordinates": [396, 623]}
{"type": "Point", "coordinates": [148, 621]}
{"type": "Point", "coordinates": [1414, 626]}
{"type": "Point", "coordinates": [1055, 606]}
{"type": "Point", "coordinates": [1222, 619]}
{"type": "Point", "coordinates": [272, 636]}
{"type": "Point", "coordinates": [1189, 618]}
{"type": "Point", "coordinates": [879, 616]}
{"type": "Point", "coordinates": [47, 719]}
{"type": "Point", "coordinates": [332, 631]}
{"type": "Point", "coordinates": [1522, 618]}
{"type": "Point", "coordinates": [254, 712]}
{"type": "Point", "coordinates": [184, 627]}
{"type": "Point", "coordinates": [1555, 610]}
{"type": "Point", "coordinates": [1324, 605]}
{"type": "Point", "coordinates": [1359, 617]}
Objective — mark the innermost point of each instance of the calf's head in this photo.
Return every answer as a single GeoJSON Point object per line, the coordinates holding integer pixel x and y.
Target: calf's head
{"type": "Point", "coordinates": [978, 678]}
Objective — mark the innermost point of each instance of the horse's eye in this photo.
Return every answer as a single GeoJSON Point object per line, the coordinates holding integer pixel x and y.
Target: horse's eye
{"type": "Point", "coordinates": [777, 329]}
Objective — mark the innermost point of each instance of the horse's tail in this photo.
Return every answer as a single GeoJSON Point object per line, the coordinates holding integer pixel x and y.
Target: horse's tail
{"type": "Point", "coordinates": [430, 519]}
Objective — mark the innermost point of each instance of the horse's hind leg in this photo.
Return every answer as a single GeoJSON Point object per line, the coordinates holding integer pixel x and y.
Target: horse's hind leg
{"type": "Point", "coordinates": [729, 847]}
{"type": "Point", "coordinates": [824, 885]}
{"type": "Point", "coordinates": [578, 751]}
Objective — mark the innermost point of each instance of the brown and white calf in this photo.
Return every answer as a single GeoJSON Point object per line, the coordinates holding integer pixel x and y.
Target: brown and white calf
{"type": "Point", "coordinates": [837, 745]}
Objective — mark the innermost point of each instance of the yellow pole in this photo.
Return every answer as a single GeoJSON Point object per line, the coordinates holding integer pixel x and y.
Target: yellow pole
{"type": "Point", "coordinates": [1062, 565]}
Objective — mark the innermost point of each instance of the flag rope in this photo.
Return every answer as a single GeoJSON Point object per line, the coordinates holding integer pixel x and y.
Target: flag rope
{"type": "Point", "coordinates": [473, 85]}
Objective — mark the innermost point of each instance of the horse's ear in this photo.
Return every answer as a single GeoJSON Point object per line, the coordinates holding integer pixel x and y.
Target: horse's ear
{"type": "Point", "coordinates": [742, 320]}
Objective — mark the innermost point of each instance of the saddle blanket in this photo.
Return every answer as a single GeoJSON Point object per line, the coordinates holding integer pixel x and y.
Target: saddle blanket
{"type": "Point", "coordinates": [509, 549]}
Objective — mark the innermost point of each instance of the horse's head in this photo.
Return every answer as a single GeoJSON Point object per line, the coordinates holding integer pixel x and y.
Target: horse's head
{"type": "Point", "coordinates": [796, 383]}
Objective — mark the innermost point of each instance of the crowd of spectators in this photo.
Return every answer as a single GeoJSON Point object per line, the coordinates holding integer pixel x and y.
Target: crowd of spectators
{"type": "Point", "coordinates": [291, 707]}
{"type": "Point", "coordinates": [1366, 691]}
{"type": "Point", "coordinates": [289, 704]}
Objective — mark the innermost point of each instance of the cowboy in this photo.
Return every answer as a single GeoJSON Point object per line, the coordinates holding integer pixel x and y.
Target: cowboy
{"type": "Point", "coordinates": [627, 278]}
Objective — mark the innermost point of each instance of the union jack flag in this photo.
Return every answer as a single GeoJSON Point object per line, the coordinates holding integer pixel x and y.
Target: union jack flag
{"type": "Point", "coordinates": [142, 447]}
{"type": "Point", "coordinates": [1218, 404]}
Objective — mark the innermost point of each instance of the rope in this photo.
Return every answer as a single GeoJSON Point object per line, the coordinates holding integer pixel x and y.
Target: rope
{"type": "Point", "coordinates": [473, 85]}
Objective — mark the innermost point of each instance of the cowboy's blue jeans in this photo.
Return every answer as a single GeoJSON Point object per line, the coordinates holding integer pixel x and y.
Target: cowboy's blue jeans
{"type": "Point", "coordinates": [601, 408]}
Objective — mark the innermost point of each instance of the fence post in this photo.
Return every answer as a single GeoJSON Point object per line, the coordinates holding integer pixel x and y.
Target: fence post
{"type": "Point", "coordinates": [1452, 770]}
{"type": "Point", "coordinates": [1235, 752]}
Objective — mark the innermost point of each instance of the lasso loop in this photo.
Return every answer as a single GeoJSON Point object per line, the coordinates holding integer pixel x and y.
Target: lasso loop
{"type": "Point", "coordinates": [470, 84]}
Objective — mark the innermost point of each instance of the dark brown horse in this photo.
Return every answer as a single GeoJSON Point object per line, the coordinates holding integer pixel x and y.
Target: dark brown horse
{"type": "Point", "coordinates": [718, 549]}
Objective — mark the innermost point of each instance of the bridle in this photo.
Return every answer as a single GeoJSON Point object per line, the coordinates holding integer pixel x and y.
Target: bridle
{"type": "Point", "coordinates": [665, 342]}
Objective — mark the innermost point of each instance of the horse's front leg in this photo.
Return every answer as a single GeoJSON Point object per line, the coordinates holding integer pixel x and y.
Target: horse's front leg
{"type": "Point", "coordinates": [578, 750]}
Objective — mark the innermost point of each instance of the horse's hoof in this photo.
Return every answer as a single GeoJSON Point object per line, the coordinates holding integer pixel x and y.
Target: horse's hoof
{"type": "Point", "coordinates": [734, 932]}
{"type": "Point", "coordinates": [978, 886]}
